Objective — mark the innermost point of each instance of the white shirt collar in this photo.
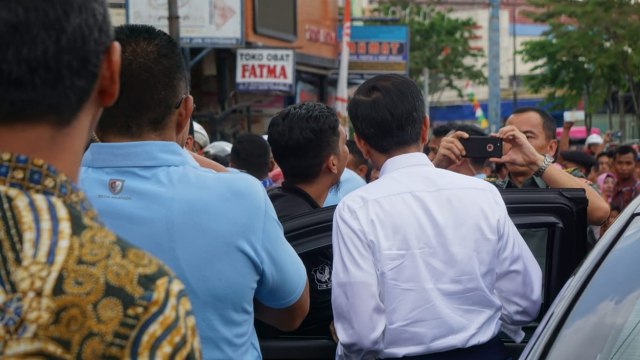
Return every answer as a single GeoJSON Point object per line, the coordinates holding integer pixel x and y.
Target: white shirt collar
{"type": "Point", "coordinates": [405, 160]}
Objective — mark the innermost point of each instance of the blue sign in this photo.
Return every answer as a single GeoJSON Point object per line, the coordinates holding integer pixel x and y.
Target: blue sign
{"type": "Point", "coordinates": [378, 49]}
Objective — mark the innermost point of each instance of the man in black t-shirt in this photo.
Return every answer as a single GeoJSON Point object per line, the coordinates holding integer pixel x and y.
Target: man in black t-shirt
{"type": "Point", "coordinates": [309, 145]}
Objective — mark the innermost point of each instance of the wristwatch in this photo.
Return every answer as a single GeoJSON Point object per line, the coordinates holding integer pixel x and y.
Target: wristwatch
{"type": "Point", "coordinates": [548, 160]}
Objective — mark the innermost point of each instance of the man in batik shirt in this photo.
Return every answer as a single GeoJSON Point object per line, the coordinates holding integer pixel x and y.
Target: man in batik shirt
{"type": "Point", "coordinates": [69, 288]}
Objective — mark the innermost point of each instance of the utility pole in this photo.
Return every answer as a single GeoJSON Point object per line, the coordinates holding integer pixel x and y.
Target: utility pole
{"type": "Point", "coordinates": [174, 20]}
{"type": "Point", "coordinates": [515, 50]}
{"type": "Point", "coordinates": [494, 65]}
{"type": "Point", "coordinates": [425, 75]}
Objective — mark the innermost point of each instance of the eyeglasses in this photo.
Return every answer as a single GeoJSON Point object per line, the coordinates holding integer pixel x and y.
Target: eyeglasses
{"type": "Point", "coordinates": [177, 105]}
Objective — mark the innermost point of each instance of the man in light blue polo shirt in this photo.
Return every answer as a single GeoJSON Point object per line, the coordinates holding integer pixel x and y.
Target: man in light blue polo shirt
{"type": "Point", "coordinates": [217, 231]}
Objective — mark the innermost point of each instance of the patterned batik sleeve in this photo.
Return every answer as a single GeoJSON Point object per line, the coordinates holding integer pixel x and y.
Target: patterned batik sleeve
{"type": "Point", "coordinates": [167, 329]}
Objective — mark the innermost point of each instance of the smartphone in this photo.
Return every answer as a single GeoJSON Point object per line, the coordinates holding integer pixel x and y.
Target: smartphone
{"type": "Point", "coordinates": [482, 147]}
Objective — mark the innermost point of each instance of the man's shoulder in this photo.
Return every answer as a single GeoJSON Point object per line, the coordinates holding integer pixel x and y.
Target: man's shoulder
{"type": "Point", "coordinates": [80, 264]}
{"type": "Point", "coordinates": [134, 279]}
{"type": "Point", "coordinates": [497, 182]}
{"type": "Point", "coordinates": [290, 201]}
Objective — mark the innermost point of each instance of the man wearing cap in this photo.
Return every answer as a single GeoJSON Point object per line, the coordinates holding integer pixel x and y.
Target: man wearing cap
{"type": "Point", "coordinates": [529, 145]}
{"type": "Point", "coordinates": [200, 138]}
{"type": "Point", "coordinates": [594, 144]}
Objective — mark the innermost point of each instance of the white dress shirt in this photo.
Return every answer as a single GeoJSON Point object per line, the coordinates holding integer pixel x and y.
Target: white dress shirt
{"type": "Point", "coordinates": [426, 260]}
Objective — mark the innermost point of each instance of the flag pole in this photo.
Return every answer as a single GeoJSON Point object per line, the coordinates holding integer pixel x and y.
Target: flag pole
{"type": "Point", "coordinates": [342, 97]}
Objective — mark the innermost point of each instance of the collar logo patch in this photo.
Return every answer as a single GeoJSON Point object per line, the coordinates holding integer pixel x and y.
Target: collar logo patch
{"type": "Point", "coordinates": [116, 186]}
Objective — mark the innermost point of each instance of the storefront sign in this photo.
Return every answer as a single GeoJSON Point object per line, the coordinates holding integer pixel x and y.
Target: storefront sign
{"type": "Point", "coordinates": [203, 23]}
{"type": "Point", "coordinates": [314, 36]}
{"type": "Point", "coordinates": [319, 35]}
{"type": "Point", "coordinates": [265, 70]}
{"type": "Point", "coordinates": [378, 49]}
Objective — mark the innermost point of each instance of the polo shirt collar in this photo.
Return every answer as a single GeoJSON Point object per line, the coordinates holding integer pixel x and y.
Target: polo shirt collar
{"type": "Point", "coordinates": [137, 153]}
{"type": "Point", "coordinates": [405, 160]}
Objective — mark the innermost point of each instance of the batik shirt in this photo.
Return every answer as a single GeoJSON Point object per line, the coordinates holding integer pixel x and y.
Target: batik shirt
{"type": "Point", "coordinates": [71, 289]}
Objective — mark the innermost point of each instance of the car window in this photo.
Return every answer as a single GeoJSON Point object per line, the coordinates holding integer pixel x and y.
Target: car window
{"type": "Point", "coordinates": [537, 239]}
{"type": "Point", "coordinates": [605, 321]}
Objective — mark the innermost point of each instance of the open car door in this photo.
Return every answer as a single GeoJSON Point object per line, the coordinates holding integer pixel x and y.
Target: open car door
{"type": "Point", "coordinates": [552, 222]}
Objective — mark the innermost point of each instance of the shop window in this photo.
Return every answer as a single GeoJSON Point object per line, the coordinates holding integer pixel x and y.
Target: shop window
{"type": "Point", "coordinates": [276, 19]}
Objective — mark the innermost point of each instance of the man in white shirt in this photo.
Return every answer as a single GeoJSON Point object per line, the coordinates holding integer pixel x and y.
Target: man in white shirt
{"type": "Point", "coordinates": [426, 261]}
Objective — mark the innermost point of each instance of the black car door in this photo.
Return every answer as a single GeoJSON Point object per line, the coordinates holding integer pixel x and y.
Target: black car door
{"type": "Point", "coordinates": [552, 222]}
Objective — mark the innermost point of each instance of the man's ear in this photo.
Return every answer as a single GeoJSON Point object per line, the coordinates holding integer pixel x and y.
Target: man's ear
{"type": "Point", "coordinates": [363, 146]}
{"type": "Point", "coordinates": [272, 165]}
{"type": "Point", "coordinates": [362, 170]}
{"type": "Point", "coordinates": [184, 115]}
{"type": "Point", "coordinates": [108, 86]}
{"type": "Point", "coordinates": [552, 147]}
{"type": "Point", "coordinates": [332, 163]}
{"type": "Point", "coordinates": [424, 131]}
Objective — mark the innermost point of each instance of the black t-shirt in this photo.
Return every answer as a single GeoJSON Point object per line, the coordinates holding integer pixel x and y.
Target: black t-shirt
{"type": "Point", "coordinates": [289, 200]}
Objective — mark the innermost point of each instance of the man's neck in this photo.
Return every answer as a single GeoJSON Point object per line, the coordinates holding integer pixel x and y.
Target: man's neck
{"type": "Point", "coordinates": [160, 136]}
{"type": "Point", "coordinates": [378, 159]}
{"type": "Point", "coordinates": [318, 190]}
{"type": "Point", "coordinates": [61, 147]}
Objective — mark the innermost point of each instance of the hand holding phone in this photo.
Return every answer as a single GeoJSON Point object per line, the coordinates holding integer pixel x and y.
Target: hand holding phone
{"type": "Point", "coordinates": [482, 147]}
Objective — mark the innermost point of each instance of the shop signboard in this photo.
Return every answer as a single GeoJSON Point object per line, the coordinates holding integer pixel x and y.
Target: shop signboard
{"type": "Point", "coordinates": [203, 23]}
{"type": "Point", "coordinates": [378, 49]}
{"type": "Point", "coordinates": [264, 70]}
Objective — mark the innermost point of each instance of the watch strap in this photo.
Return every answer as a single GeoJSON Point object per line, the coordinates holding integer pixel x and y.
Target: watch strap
{"type": "Point", "coordinates": [548, 160]}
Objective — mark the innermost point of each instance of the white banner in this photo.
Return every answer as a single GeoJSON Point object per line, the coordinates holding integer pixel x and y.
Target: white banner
{"type": "Point", "coordinates": [205, 23]}
{"type": "Point", "coordinates": [265, 70]}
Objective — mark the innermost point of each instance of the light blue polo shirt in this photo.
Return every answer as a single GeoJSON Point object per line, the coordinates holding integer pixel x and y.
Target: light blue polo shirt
{"type": "Point", "coordinates": [217, 231]}
{"type": "Point", "coordinates": [349, 181]}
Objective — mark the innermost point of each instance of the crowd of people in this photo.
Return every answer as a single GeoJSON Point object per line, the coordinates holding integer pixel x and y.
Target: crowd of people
{"type": "Point", "coordinates": [119, 238]}
{"type": "Point", "coordinates": [610, 168]}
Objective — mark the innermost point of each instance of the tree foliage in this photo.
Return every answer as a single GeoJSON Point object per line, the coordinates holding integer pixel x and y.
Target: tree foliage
{"type": "Point", "coordinates": [590, 50]}
{"type": "Point", "coordinates": [440, 43]}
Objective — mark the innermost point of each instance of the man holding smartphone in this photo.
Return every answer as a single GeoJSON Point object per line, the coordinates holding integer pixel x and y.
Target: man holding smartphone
{"type": "Point", "coordinates": [475, 165]}
{"type": "Point", "coordinates": [529, 146]}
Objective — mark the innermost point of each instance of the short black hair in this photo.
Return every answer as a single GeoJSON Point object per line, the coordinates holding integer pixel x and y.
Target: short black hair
{"type": "Point", "coordinates": [603, 153]}
{"type": "Point", "coordinates": [441, 131]}
{"type": "Point", "coordinates": [548, 122]}
{"type": "Point", "coordinates": [251, 153]}
{"type": "Point", "coordinates": [387, 112]}
{"type": "Point", "coordinates": [624, 150]}
{"type": "Point", "coordinates": [302, 136]}
{"type": "Point", "coordinates": [154, 79]}
{"type": "Point", "coordinates": [356, 153]}
{"type": "Point", "coordinates": [51, 57]}
{"type": "Point", "coordinates": [472, 130]}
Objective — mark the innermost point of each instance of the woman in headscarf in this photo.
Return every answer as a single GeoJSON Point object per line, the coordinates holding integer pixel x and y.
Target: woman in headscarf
{"type": "Point", "coordinates": [606, 182]}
